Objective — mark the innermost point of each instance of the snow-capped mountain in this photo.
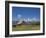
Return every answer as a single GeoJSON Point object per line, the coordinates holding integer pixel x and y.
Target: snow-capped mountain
{"type": "Point", "coordinates": [25, 21]}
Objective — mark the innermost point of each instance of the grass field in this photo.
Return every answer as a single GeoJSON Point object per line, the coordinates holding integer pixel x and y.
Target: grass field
{"type": "Point", "coordinates": [26, 27]}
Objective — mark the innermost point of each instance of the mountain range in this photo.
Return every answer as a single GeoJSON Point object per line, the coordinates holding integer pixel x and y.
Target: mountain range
{"type": "Point", "coordinates": [25, 22]}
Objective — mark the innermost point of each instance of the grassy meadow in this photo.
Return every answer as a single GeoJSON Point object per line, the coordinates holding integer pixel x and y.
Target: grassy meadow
{"type": "Point", "coordinates": [25, 27]}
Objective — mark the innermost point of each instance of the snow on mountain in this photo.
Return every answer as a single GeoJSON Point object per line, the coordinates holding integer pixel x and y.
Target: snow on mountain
{"type": "Point", "coordinates": [25, 21]}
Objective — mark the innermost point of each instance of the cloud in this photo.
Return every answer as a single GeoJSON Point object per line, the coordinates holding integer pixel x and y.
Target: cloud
{"type": "Point", "coordinates": [31, 19]}
{"type": "Point", "coordinates": [28, 19]}
{"type": "Point", "coordinates": [19, 15]}
{"type": "Point", "coordinates": [34, 19]}
{"type": "Point", "coordinates": [25, 20]}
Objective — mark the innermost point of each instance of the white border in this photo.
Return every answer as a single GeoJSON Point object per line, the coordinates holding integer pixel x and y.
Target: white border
{"type": "Point", "coordinates": [25, 32]}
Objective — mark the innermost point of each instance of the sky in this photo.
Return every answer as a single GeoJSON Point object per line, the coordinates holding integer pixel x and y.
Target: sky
{"type": "Point", "coordinates": [26, 13]}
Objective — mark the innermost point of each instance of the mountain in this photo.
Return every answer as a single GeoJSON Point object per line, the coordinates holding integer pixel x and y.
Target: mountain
{"type": "Point", "coordinates": [26, 21]}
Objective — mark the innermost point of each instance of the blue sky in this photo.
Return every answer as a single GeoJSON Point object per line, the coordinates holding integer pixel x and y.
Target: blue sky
{"type": "Point", "coordinates": [25, 12]}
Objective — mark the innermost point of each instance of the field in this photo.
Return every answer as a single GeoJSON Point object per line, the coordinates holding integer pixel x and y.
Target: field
{"type": "Point", "coordinates": [26, 27]}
